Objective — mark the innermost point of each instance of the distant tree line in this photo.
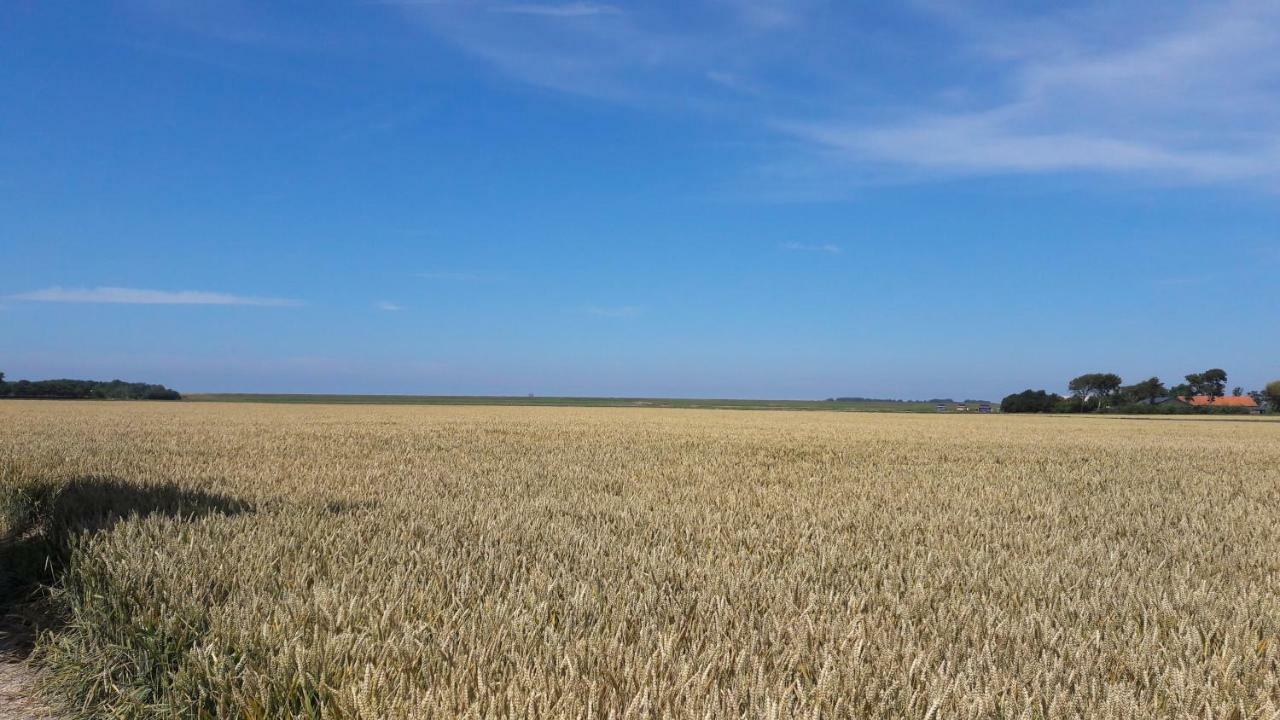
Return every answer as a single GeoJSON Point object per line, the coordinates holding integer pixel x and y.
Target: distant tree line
{"type": "Point", "coordinates": [931, 401]}
{"type": "Point", "coordinates": [1106, 392]}
{"type": "Point", "coordinates": [85, 390]}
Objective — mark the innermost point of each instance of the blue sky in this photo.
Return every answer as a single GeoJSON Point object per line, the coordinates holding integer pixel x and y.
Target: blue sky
{"type": "Point", "coordinates": [705, 198]}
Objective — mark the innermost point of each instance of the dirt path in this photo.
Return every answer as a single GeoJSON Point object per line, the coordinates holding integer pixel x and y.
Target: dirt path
{"type": "Point", "coordinates": [17, 701]}
{"type": "Point", "coordinates": [17, 683]}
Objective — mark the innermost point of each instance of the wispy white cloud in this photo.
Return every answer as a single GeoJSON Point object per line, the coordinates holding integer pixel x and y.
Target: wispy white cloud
{"type": "Point", "coordinates": [137, 296]}
{"type": "Point", "coordinates": [1172, 92]}
{"type": "Point", "coordinates": [389, 306]}
{"type": "Point", "coordinates": [560, 10]}
{"type": "Point", "coordinates": [615, 311]}
{"type": "Point", "coordinates": [828, 248]}
{"type": "Point", "coordinates": [639, 56]}
{"type": "Point", "coordinates": [1193, 101]}
{"type": "Point", "coordinates": [765, 14]}
{"type": "Point", "coordinates": [976, 144]}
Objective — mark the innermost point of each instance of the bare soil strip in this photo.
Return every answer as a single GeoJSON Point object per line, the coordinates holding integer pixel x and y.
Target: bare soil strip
{"type": "Point", "coordinates": [18, 700]}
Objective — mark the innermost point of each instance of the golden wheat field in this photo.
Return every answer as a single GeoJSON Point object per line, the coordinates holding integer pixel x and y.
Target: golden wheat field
{"type": "Point", "coordinates": [263, 561]}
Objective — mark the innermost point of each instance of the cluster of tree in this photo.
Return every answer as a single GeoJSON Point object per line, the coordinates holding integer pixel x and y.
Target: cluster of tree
{"type": "Point", "coordinates": [85, 389]}
{"type": "Point", "coordinates": [1093, 392]}
{"type": "Point", "coordinates": [1030, 401]}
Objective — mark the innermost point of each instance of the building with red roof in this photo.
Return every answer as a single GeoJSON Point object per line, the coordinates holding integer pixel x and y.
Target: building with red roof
{"type": "Point", "coordinates": [1236, 401]}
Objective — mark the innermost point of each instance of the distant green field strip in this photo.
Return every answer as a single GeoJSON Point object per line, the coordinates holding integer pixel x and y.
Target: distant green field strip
{"type": "Point", "coordinates": [845, 406]}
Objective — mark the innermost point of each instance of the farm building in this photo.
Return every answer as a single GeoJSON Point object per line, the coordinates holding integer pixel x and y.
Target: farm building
{"type": "Point", "coordinates": [1240, 401]}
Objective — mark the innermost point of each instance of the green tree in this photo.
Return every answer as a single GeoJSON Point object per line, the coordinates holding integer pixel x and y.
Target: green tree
{"type": "Point", "coordinates": [1144, 392]}
{"type": "Point", "coordinates": [65, 388]}
{"type": "Point", "coordinates": [1097, 386]}
{"type": "Point", "coordinates": [1029, 401]}
{"type": "Point", "coordinates": [1194, 381]}
{"type": "Point", "coordinates": [1273, 394]}
{"type": "Point", "coordinates": [1212, 383]}
{"type": "Point", "coordinates": [1237, 391]}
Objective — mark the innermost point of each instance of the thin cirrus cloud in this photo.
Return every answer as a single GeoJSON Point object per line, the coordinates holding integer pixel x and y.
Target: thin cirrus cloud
{"type": "Point", "coordinates": [563, 10]}
{"type": "Point", "coordinates": [138, 296]}
{"type": "Point", "coordinates": [568, 9]}
{"type": "Point", "coordinates": [1193, 103]}
{"type": "Point", "coordinates": [388, 306]}
{"type": "Point", "coordinates": [1185, 93]}
{"type": "Point", "coordinates": [828, 248]}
